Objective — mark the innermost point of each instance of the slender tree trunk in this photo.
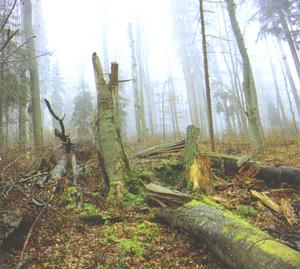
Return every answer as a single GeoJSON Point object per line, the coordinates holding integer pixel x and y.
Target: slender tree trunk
{"type": "Point", "coordinates": [174, 105]}
{"type": "Point", "coordinates": [34, 76]}
{"type": "Point", "coordinates": [7, 119]}
{"type": "Point", "coordinates": [163, 113]}
{"type": "Point", "coordinates": [278, 98]}
{"type": "Point", "coordinates": [255, 126]}
{"type": "Point", "coordinates": [290, 41]}
{"type": "Point", "coordinates": [137, 104]}
{"type": "Point", "coordinates": [141, 80]}
{"type": "Point", "coordinates": [207, 85]}
{"type": "Point", "coordinates": [2, 137]}
{"type": "Point", "coordinates": [289, 98]}
{"type": "Point", "coordinates": [22, 125]}
{"type": "Point", "coordinates": [290, 77]}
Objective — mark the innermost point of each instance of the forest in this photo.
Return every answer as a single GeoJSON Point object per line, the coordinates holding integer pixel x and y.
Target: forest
{"type": "Point", "coordinates": [155, 134]}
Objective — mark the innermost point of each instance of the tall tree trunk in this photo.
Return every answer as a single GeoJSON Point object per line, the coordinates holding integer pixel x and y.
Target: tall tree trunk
{"type": "Point", "coordinates": [34, 76]}
{"type": "Point", "coordinates": [141, 79]}
{"type": "Point", "coordinates": [290, 77]}
{"type": "Point", "coordinates": [278, 98]}
{"type": "Point", "coordinates": [22, 125]}
{"type": "Point", "coordinates": [235, 82]}
{"type": "Point", "coordinates": [288, 96]}
{"type": "Point", "coordinates": [207, 85]}
{"type": "Point", "coordinates": [290, 41]}
{"type": "Point", "coordinates": [2, 137]}
{"type": "Point", "coordinates": [109, 142]}
{"type": "Point", "coordinates": [174, 105]}
{"type": "Point", "coordinates": [255, 126]}
{"type": "Point", "coordinates": [137, 101]}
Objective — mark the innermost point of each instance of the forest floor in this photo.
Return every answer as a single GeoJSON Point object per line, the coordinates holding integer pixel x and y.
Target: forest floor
{"type": "Point", "coordinates": [126, 235]}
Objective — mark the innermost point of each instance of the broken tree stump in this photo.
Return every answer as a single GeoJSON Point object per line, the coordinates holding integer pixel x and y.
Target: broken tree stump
{"type": "Point", "coordinates": [113, 161]}
{"type": "Point", "coordinates": [235, 241]}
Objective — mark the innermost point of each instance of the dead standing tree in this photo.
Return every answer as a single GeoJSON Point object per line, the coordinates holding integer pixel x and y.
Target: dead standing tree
{"type": "Point", "coordinates": [68, 160]}
{"type": "Point", "coordinates": [114, 164]}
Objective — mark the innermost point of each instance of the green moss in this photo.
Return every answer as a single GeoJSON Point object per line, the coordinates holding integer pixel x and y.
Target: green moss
{"type": "Point", "coordinates": [131, 246]}
{"type": "Point", "coordinates": [92, 218]}
{"type": "Point", "coordinates": [281, 251]}
{"type": "Point", "coordinates": [208, 201]}
{"type": "Point", "coordinates": [69, 195]}
{"type": "Point", "coordinates": [204, 200]}
{"type": "Point", "coordinates": [169, 171]}
{"type": "Point", "coordinates": [246, 211]}
{"type": "Point", "coordinates": [194, 203]}
{"type": "Point", "coordinates": [225, 230]}
{"type": "Point", "coordinates": [146, 176]}
{"type": "Point", "coordinates": [239, 235]}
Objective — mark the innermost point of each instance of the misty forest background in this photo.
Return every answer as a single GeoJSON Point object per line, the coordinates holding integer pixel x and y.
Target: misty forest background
{"type": "Point", "coordinates": [250, 93]}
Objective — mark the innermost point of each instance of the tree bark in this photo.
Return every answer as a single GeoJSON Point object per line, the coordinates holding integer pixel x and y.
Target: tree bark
{"type": "Point", "coordinates": [137, 101]}
{"type": "Point", "coordinates": [235, 241]}
{"type": "Point", "coordinates": [206, 73]}
{"type": "Point", "coordinates": [22, 125]}
{"type": "Point", "coordinates": [290, 78]}
{"type": "Point", "coordinates": [252, 110]}
{"type": "Point", "coordinates": [34, 76]}
{"type": "Point", "coordinates": [109, 142]}
{"type": "Point", "coordinates": [191, 148]}
{"type": "Point", "coordinates": [290, 41]}
{"type": "Point", "coordinates": [2, 137]}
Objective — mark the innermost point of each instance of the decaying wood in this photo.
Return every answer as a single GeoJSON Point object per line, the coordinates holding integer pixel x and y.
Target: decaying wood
{"type": "Point", "coordinates": [167, 148]}
{"type": "Point", "coordinates": [113, 161]}
{"type": "Point", "coordinates": [274, 175]}
{"type": "Point", "coordinates": [9, 222]}
{"type": "Point", "coordinates": [228, 165]}
{"type": "Point", "coordinates": [266, 201]}
{"type": "Point", "coordinates": [68, 162]}
{"type": "Point", "coordinates": [288, 212]}
{"type": "Point", "coordinates": [165, 197]}
{"type": "Point", "coordinates": [61, 134]}
{"type": "Point", "coordinates": [236, 242]}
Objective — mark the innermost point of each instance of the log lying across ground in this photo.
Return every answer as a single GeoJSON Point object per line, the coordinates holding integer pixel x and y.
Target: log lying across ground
{"type": "Point", "coordinates": [235, 241]}
{"type": "Point", "coordinates": [165, 197]}
{"type": "Point", "coordinates": [230, 165]}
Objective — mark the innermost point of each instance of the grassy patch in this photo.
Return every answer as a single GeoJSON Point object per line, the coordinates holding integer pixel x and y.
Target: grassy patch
{"type": "Point", "coordinates": [246, 211]}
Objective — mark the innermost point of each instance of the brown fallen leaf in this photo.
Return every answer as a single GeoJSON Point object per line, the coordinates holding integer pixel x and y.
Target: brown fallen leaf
{"type": "Point", "coordinates": [288, 212]}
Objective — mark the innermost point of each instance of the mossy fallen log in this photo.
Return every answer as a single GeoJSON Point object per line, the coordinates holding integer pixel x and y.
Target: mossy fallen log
{"type": "Point", "coordinates": [235, 241]}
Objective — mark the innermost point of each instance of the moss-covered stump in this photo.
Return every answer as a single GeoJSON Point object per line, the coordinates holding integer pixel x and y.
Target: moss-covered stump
{"type": "Point", "coordinates": [169, 171]}
{"type": "Point", "coordinates": [235, 241]}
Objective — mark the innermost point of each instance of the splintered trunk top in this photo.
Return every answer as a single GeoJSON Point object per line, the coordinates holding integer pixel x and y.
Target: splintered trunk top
{"type": "Point", "coordinates": [114, 162]}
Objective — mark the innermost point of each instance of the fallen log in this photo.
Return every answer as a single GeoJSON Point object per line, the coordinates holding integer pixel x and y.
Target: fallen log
{"type": "Point", "coordinates": [228, 165]}
{"type": "Point", "coordinates": [167, 148]}
{"type": "Point", "coordinates": [272, 175]}
{"type": "Point", "coordinates": [165, 197]}
{"type": "Point", "coordinates": [235, 241]}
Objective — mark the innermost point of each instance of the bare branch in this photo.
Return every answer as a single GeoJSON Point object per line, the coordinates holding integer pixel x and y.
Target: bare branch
{"type": "Point", "coordinates": [8, 15]}
{"type": "Point", "coordinates": [29, 59]}
{"type": "Point", "coordinates": [16, 49]}
{"type": "Point", "coordinates": [9, 38]}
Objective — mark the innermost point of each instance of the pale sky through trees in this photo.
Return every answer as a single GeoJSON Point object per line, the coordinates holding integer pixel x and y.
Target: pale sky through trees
{"type": "Point", "coordinates": [74, 32]}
